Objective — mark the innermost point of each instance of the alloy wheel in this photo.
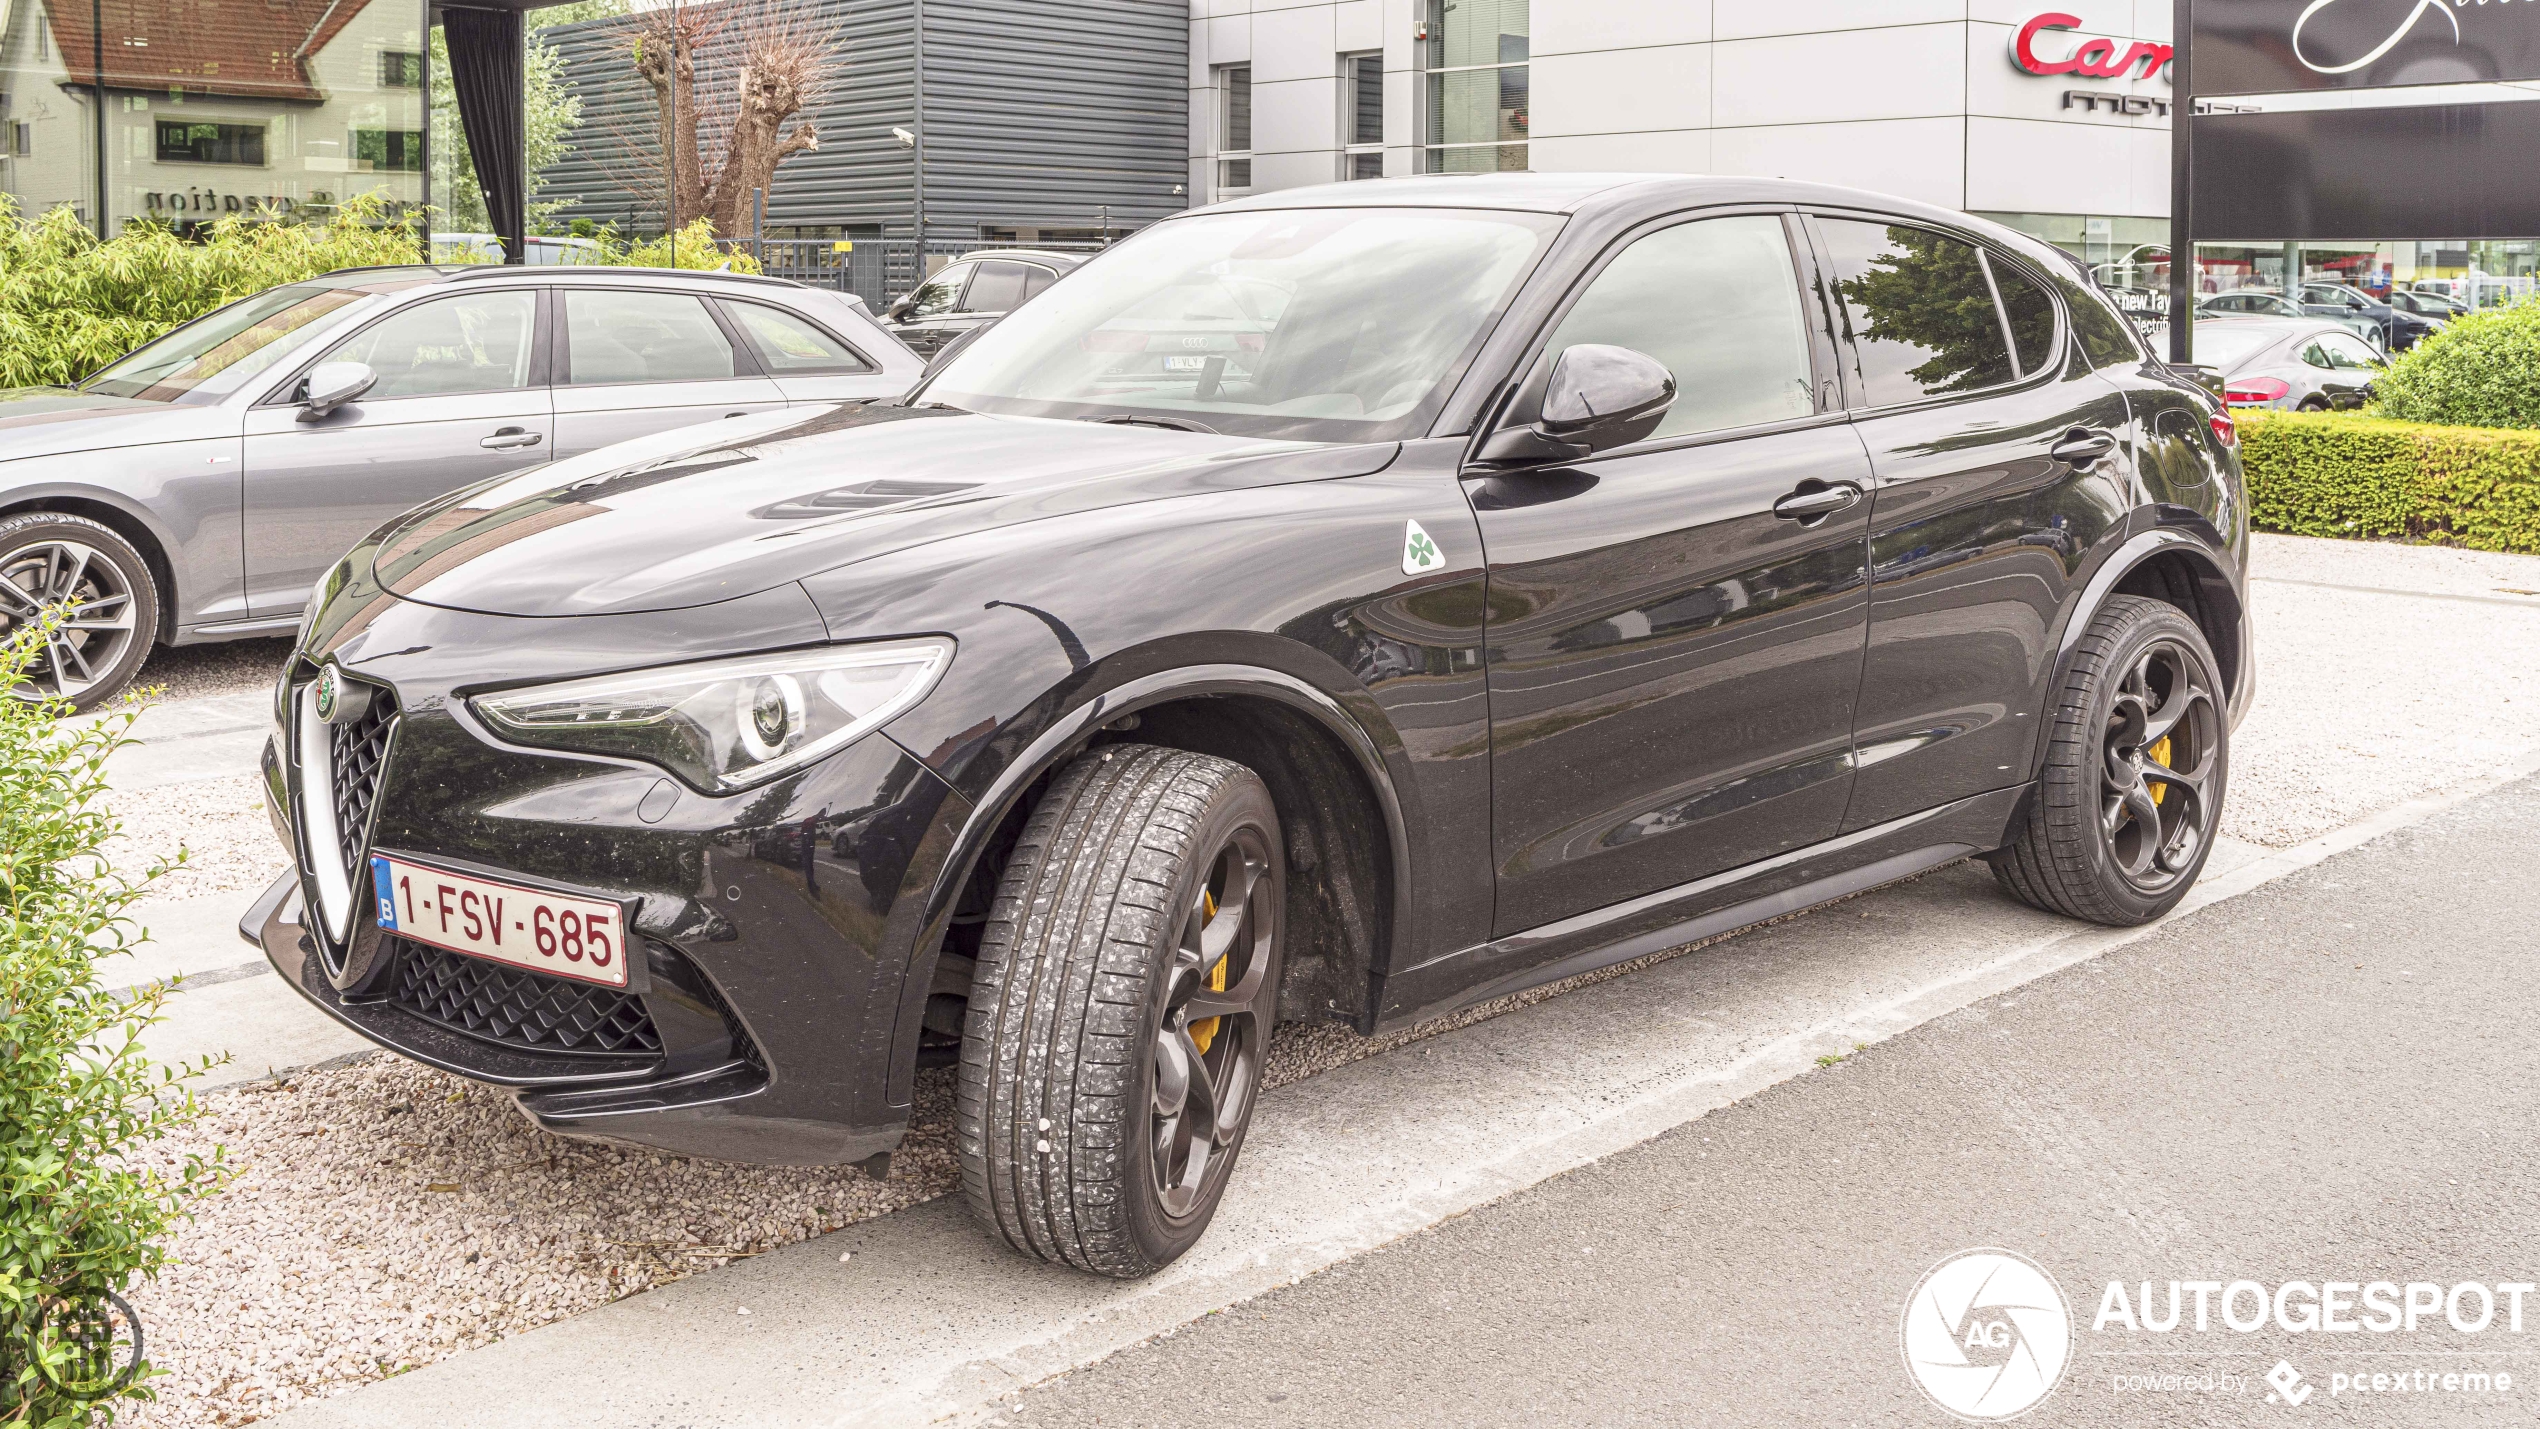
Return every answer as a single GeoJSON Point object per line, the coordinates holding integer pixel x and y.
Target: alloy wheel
{"type": "Point", "coordinates": [92, 598]}
{"type": "Point", "coordinates": [2161, 750]}
{"type": "Point", "coordinates": [1217, 1007]}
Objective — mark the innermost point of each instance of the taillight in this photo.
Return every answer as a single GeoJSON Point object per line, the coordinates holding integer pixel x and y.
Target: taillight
{"type": "Point", "coordinates": [2255, 391]}
{"type": "Point", "coordinates": [2225, 431]}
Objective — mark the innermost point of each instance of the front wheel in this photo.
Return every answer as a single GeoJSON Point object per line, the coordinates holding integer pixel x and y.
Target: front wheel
{"type": "Point", "coordinates": [97, 591]}
{"type": "Point", "coordinates": [1127, 981]}
{"type": "Point", "coordinates": [2132, 789]}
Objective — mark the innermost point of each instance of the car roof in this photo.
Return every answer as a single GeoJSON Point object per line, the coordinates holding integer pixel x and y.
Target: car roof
{"type": "Point", "coordinates": [1033, 255]}
{"type": "Point", "coordinates": [408, 274]}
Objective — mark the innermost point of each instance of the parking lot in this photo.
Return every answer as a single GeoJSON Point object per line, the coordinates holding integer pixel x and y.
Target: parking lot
{"type": "Point", "coordinates": [387, 1217]}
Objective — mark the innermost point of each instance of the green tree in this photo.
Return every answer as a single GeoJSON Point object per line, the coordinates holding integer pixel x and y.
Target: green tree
{"type": "Point", "coordinates": [1930, 292]}
{"type": "Point", "coordinates": [2482, 371]}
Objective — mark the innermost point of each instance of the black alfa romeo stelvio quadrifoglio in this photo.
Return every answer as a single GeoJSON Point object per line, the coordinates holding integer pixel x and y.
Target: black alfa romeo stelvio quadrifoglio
{"type": "Point", "coordinates": [1346, 604]}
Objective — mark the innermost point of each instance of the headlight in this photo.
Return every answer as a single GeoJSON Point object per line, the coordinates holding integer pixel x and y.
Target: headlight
{"type": "Point", "coordinates": [726, 725]}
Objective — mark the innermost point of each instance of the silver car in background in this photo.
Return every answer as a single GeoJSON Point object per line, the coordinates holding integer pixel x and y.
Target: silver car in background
{"type": "Point", "coordinates": [2289, 364]}
{"type": "Point", "coordinates": [195, 489]}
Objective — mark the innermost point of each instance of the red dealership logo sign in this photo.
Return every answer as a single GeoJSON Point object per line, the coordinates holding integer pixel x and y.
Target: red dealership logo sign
{"type": "Point", "coordinates": [2094, 58]}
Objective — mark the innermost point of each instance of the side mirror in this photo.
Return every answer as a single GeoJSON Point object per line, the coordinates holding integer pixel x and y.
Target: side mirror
{"type": "Point", "coordinates": [332, 384]}
{"type": "Point", "coordinates": [1596, 398]}
{"type": "Point", "coordinates": [898, 310]}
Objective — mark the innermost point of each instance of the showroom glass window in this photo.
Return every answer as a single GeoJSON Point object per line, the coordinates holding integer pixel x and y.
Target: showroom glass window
{"type": "Point", "coordinates": [1920, 308]}
{"type": "Point", "coordinates": [1476, 110]}
{"type": "Point", "coordinates": [1718, 303]}
{"type": "Point", "coordinates": [272, 109]}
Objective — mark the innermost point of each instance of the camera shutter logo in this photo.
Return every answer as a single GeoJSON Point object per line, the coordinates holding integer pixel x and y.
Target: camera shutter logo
{"type": "Point", "coordinates": [1987, 1335]}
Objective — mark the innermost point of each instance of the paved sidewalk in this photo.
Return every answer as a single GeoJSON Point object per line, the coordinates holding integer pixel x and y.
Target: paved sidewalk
{"type": "Point", "coordinates": [2327, 1080]}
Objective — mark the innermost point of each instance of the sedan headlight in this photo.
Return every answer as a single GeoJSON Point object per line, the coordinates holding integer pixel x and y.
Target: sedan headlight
{"type": "Point", "coordinates": [726, 725]}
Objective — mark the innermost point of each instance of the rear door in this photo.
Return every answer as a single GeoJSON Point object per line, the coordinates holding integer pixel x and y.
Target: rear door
{"type": "Point", "coordinates": [461, 397]}
{"type": "Point", "coordinates": [1673, 659]}
{"type": "Point", "coordinates": [636, 361]}
{"type": "Point", "coordinates": [2001, 465]}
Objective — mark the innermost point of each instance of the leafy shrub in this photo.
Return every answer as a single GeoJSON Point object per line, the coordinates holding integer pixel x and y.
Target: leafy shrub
{"type": "Point", "coordinates": [2336, 474]}
{"type": "Point", "coordinates": [70, 303]}
{"type": "Point", "coordinates": [77, 1095]}
{"type": "Point", "coordinates": [2482, 371]}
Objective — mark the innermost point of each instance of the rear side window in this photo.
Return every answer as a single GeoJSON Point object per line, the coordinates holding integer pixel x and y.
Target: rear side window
{"type": "Point", "coordinates": [789, 346]}
{"type": "Point", "coordinates": [618, 336]}
{"type": "Point", "coordinates": [1034, 280]}
{"type": "Point", "coordinates": [2030, 313]}
{"type": "Point", "coordinates": [1718, 303]}
{"type": "Point", "coordinates": [2106, 338]}
{"type": "Point", "coordinates": [1919, 310]}
{"type": "Point", "coordinates": [997, 289]}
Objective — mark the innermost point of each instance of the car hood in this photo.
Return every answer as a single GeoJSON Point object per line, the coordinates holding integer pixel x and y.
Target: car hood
{"type": "Point", "coordinates": [706, 514]}
{"type": "Point", "coordinates": [50, 421]}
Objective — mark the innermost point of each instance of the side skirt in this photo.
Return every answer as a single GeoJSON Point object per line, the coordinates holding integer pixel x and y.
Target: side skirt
{"type": "Point", "coordinates": [1704, 908]}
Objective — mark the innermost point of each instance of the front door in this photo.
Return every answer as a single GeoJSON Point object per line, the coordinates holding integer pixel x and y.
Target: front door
{"type": "Point", "coordinates": [458, 400]}
{"type": "Point", "coordinates": [639, 361]}
{"type": "Point", "coordinates": [1672, 661]}
{"type": "Point", "coordinates": [2000, 471]}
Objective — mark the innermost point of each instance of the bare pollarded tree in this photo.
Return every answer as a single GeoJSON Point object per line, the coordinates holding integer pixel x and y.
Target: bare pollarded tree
{"type": "Point", "coordinates": [728, 79]}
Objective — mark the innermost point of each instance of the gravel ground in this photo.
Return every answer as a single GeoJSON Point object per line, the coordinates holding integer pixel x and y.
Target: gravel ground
{"type": "Point", "coordinates": [224, 667]}
{"type": "Point", "coordinates": [386, 1215]}
{"type": "Point", "coordinates": [220, 824]}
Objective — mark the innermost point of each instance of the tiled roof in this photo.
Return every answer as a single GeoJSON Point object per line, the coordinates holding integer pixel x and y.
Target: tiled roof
{"type": "Point", "coordinates": [249, 49]}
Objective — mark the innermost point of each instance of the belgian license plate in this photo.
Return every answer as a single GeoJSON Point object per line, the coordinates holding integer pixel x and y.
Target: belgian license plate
{"type": "Point", "coordinates": [1186, 364]}
{"type": "Point", "coordinates": [552, 933]}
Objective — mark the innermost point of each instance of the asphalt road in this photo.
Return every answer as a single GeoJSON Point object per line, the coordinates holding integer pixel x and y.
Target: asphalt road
{"type": "Point", "coordinates": [2330, 1079]}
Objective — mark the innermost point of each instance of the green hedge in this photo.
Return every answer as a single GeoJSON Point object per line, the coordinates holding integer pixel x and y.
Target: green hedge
{"type": "Point", "coordinates": [2340, 474]}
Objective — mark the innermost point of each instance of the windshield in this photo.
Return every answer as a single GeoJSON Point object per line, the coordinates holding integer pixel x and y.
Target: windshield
{"type": "Point", "coordinates": [1332, 325]}
{"type": "Point", "coordinates": [216, 352]}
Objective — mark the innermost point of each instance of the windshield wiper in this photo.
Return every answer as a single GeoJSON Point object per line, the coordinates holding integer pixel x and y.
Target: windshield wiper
{"type": "Point", "coordinates": [1170, 424]}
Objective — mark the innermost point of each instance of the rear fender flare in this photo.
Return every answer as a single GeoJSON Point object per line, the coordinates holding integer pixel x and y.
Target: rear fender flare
{"type": "Point", "coordinates": [2216, 586]}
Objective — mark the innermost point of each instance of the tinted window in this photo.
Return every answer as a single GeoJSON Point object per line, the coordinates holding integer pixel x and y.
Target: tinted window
{"type": "Point", "coordinates": [2106, 338]}
{"type": "Point", "coordinates": [479, 343]}
{"type": "Point", "coordinates": [787, 344]}
{"type": "Point", "coordinates": [1920, 313]}
{"type": "Point", "coordinates": [997, 289]}
{"type": "Point", "coordinates": [1718, 303]}
{"type": "Point", "coordinates": [643, 337]}
{"type": "Point", "coordinates": [1036, 279]}
{"type": "Point", "coordinates": [939, 293]}
{"type": "Point", "coordinates": [2031, 312]}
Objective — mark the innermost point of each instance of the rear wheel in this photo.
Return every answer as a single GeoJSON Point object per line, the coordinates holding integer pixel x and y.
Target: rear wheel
{"type": "Point", "coordinates": [98, 589]}
{"type": "Point", "coordinates": [1127, 981]}
{"type": "Point", "coordinates": [2136, 763]}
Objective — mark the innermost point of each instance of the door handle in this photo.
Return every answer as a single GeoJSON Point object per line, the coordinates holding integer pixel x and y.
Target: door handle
{"type": "Point", "coordinates": [1813, 502]}
{"type": "Point", "coordinates": [506, 438]}
{"type": "Point", "coordinates": [2081, 446]}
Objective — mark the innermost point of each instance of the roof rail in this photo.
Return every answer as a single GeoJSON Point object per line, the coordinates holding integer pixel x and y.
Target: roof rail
{"type": "Point", "coordinates": [555, 270]}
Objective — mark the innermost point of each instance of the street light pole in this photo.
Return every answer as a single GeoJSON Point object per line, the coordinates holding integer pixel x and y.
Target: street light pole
{"type": "Point", "coordinates": [2182, 183]}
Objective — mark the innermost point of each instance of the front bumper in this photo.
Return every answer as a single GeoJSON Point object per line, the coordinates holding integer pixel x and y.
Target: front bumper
{"type": "Point", "coordinates": [770, 1018]}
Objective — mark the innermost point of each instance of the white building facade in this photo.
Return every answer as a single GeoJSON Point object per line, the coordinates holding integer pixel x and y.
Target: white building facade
{"type": "Point", "coordinates": [2050, 115]}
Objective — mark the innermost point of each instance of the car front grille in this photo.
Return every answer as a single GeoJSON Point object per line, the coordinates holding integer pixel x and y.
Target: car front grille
{"type": "Point", "coordinates": [518, 1008]}
{"type": "Point", "coordinates": [357, 751]}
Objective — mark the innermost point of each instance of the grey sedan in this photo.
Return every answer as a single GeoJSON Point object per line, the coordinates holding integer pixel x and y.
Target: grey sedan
{"type": "Point", "coordinates": [196, 488]}
{"type": "Point", "coordinates": [2289, 364]}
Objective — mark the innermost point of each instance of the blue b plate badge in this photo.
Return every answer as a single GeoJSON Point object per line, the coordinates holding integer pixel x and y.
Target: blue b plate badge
{"type": "Point", "coordinates": [552, 933]}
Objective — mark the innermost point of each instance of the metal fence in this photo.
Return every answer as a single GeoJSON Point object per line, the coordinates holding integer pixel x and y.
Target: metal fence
{"type": "Point", "coordinates": [874, 269]}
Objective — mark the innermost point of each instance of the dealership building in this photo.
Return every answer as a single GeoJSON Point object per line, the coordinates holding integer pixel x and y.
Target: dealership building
{"type": "Point", "coordinates": [986, 120]}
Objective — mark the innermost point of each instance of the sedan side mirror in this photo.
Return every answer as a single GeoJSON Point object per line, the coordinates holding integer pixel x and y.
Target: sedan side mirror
{"type": "Point", "coordinates": [332, 384]}
{"type": "Point", "coordinates": [898, 310]}
{"type": "Point", "coordinates": [1596, 398]}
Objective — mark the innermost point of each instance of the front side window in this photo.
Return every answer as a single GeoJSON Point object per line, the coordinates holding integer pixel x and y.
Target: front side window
{"type": "Point", "coordinates": [216, 352]}
{"type": "Point", "coordinates": [1321, 324]}
{"type": "Point", "coordinates": [940, 294]}
{"type": "Point", "coordinates": [441, 348]}
{"type": "Point", "coordinates": [1919, 309]}
{"type": "Point", "coordinates": [1479, 101]}
{"type": "Point", "coordinates": [619, 336]}
{"type": "Point", "coordinates": [788, 345]}
{"type": "Point", "coordinates": [1717, 302]}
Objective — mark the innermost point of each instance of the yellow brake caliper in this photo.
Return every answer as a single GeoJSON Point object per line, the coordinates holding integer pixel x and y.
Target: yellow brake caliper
{"type": "Point", "coordinates": [1204, 1031]}
{"type": "Point", "coordinates": [2160, 754]}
